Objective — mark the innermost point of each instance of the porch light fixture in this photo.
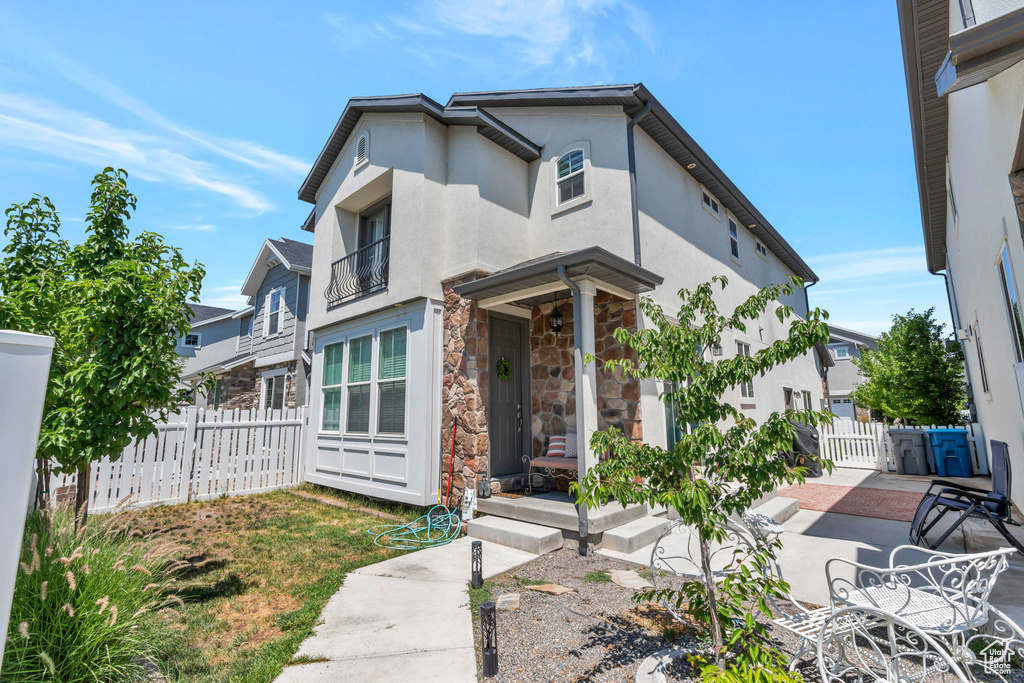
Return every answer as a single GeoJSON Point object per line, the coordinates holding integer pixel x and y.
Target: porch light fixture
{"type": "Point", "coordinates": [555, 319]}
{"type": "Point", "coordinates": [716, 350]}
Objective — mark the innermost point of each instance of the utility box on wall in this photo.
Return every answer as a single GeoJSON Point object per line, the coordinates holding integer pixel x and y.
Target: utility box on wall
{"type": "Point", "coordinates": [24, 370]}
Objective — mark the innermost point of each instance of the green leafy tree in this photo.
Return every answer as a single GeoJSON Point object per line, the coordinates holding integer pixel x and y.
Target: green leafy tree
{"type": "Point", "coordinates": [720, 466]}
{"type": "Point", "coordinates": [913, 375]}
{"type": "Point", "coordinates": [116, 307]}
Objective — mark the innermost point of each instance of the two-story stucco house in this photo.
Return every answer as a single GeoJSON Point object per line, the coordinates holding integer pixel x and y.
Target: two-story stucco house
{"type": "Point", "coordinates": [964, 65]}
{"type": "Point", "coordinates": [466, 258]}
{"type": "Point", "coordinates": [844, 345]}
{"type": "Point", "coordinates": [258, 354]}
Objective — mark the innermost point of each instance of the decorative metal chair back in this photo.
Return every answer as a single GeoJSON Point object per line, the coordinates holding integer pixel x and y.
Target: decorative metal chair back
{"type": "Point", "coordinates": [944, 594]}
{"type": "Point", "coordinates": [1001, 477]}
{"type": "Point", "coordinates": [872, 645]}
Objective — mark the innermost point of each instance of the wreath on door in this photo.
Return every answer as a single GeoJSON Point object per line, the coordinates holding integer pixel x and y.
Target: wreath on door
{"type": "Point", "coordinates": [504, 369]}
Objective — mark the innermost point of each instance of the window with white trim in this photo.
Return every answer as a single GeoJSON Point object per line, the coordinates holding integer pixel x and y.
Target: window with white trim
{"type": "Point", "coordinates": [746, 388]}
{"type": "Point", "coordinates": [193, 340]}
{"type": "Point", "coordinates": [391, 382]}
{"type": "Point", "coordinates": [762, 250]}
{"type": "Point", "coordinates": [1010, 298]}
{"type": "Point", "coordinates": [272, 312]}
{"type": "Point", "coordinates": [273, 392]}
{"type": "Point", "coordinates": [710, 203]}
{"type": "Point", "coordinates": [734, 239]}
{"type": "Point", "coordinates": [360, 360]}
{"type": "Point", "coordinates": [570, 178]}
{"type": "Point", "coordinates": [842, 353]}
{"type": "Point", "coordinates": [807, 400]}
{"type": "Point", "coordinates": [334, 355]}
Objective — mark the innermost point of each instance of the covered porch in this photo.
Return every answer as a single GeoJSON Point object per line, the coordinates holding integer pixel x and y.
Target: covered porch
{"type": "Point", "coordinates": [524, 333]}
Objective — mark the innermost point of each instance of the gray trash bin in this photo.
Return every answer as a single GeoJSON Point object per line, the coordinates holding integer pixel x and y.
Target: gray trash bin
{"type": "Point", "coordinates": [910, 446]}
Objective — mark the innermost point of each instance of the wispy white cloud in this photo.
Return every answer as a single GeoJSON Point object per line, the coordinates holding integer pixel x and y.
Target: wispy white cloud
{"type": "Point", "coordinates": [576, 37]}
{"type": "Point", "coordinates": [224, 296]}
{"type": "Point", "coordinates": [45, 127]}
{"type": "Point", "coordinates": [870, 264]}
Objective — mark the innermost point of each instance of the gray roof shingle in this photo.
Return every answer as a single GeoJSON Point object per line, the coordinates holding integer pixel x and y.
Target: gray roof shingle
{"type": "Point", "coordinates": [201, 313]}
{"type": "Point", "coordinates": [296, 253]}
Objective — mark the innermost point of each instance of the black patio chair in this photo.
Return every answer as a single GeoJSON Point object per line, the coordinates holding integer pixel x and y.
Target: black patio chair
{"type": "Point", "coordinates": [991, 506]}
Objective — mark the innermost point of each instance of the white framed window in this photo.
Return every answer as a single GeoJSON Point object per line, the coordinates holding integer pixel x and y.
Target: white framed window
{"type": "Point", "coordinates": [1010, 298]}
{"type": "Point", "coordinates": [331, 386]}
{"type": "Point", "coordinates": [193, 340]}
{"type": "Point", "coordinates": [359, 384]}
{"type": "Point", "coordinates": [570, 176]}
{"type": "Point", "coordinates": [762, 250]}
{"type": "Point", "coordinates": [807, 400]}
{"type": "Point", "coordinates": [842, 353]}
{"type": "Point", "coordinates": [746, 388]}
{"type": "Point", "coordinates": [734, 239]}
{"type": "Point", "coordinates": [362, 154]}
{"type": "Point", "coordinates": [272, 392]}
{"type": "Point", "coordinates": [272, 312]}
{"type": "Point", "coordinates": [710, 204]}
{"type": "Point", "coordinates": [391, 381]}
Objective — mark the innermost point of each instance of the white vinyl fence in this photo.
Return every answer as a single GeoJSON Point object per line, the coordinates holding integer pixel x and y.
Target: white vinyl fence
{"type": "Point", "coordinates": [198, 455]}
{"type": "Point", "coordinates": [865, 445]}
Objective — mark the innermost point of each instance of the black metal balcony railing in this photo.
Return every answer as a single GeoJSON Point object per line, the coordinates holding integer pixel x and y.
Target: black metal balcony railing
{"type": "Point", "coordinates": [362, 272]}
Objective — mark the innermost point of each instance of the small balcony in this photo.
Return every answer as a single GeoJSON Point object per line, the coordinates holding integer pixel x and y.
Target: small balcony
{"type": "Point", "coordinates": [360, 273]}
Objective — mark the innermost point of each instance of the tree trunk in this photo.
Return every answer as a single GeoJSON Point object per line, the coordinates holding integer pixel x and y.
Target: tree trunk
{"type": "Point", "coordinates": [83, 486]}
{"type": "Point", "coordinates": [709, 583]}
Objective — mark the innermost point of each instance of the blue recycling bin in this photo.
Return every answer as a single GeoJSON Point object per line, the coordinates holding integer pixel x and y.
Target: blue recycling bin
{"type": "Point", "coordinates": [952, 456]}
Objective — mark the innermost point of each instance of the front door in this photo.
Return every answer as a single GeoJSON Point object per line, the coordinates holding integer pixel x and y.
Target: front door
{"type": "Point", "coordinates": [505, 412]}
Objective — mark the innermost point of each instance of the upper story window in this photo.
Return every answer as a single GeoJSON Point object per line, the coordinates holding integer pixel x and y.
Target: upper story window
{"type": "Point", "coordinates": [710, 204]}
{"type": "Point", "coordinates": [842, 352]}
{"type": "Point", "coordinates": [362, 148]}
{"type": "Point", "coordinates": [245, 326]}
{"type": "Point", "coordinates": [193, 340]}
{"type": "Point", "coordinates": [272, 312]}
{"type": "Point", "coordinates": [571, 181]}
{"type": "Point", "coordinates": [762, 250]}
{"type": "Point", "coordinates": [734, 239]}
{"type": "Point", "coordinates": [746, 388]}
{"type": "Point", "coordinates": [1012, 303]}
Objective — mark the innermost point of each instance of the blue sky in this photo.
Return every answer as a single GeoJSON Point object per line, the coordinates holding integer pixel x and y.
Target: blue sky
{"type": "Point", "coordinates": [217, 111]}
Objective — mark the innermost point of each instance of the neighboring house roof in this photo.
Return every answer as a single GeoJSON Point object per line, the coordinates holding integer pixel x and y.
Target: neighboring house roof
{"type": "Point", "coordinates": [223, 366]}
{"type": "Point", "coordinates": [202, 314]}
{"type": "Point", "coordinates": [488, 126]}
{"type": "Point", "coordinates": [295, 256]}
{"type": "Point", "coordinates": [466, 109]}
{"type": "Point", "coordinates": [852, 336]}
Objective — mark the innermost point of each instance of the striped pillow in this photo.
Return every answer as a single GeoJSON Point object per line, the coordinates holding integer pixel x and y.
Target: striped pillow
{"type": "Point", "coordinates": [556, 447]}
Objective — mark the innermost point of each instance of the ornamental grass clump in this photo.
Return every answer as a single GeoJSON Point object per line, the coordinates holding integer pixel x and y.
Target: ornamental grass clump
{"type": "Point", "coordinates": [86, 604]}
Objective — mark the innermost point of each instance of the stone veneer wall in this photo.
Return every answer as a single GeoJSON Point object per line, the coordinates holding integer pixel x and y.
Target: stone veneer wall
{"type": "Point", "coordinates": [240, 387]}
{"type": "Point", "coordinates": [553, 377]}
{"type": "Point", "coordinates": [464, 388]}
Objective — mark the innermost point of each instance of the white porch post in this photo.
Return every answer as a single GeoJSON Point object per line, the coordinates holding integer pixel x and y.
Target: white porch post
{"type": "Point", "coordinates": [586, 376]}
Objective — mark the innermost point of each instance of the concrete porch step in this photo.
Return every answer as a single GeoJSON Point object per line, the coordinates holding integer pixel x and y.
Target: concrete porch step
{"type": "Point", "coordinates": [532, 538]}
{"type": "Point", "coordinates": [556, 510]}
{"type": "Point", "coordinates": [634, 535]}
{"type": "Point", "coordinates": [779, 508]}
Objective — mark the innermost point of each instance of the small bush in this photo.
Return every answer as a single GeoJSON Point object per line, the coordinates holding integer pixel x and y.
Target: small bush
{"type": "Point", "coordinates": [85, 603]}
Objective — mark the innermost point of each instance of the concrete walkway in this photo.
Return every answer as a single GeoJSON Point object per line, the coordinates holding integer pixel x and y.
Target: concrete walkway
{"type": "Point", "coordinates": [406, 618]}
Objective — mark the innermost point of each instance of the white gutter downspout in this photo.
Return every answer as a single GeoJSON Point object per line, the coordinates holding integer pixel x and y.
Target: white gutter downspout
{"type": "Point", "coordinates": [630, 145]}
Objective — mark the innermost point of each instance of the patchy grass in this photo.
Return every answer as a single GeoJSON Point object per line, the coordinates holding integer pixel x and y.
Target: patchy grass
{"type": "Point", "coordinates": [478, 596]}
{"type": "Point", "coordinates": [597, 577]}
{"type": "Point", "coordinates": [263, 566]}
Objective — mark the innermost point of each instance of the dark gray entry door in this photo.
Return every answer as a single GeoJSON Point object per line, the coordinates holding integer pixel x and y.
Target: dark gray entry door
{"type": "Point", "coordinates": [505, 412]}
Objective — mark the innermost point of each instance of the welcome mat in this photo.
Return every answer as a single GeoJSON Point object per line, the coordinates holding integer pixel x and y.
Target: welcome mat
{"type": "Point", "coordinates": [898, 506]}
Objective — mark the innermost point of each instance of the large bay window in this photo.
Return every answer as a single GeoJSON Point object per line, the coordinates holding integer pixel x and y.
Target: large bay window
{"type": "Point", "coordinates": [364, 372]}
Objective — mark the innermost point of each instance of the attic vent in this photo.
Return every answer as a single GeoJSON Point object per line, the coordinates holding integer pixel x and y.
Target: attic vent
{"type": "Point", "coordinates": [362, 148]}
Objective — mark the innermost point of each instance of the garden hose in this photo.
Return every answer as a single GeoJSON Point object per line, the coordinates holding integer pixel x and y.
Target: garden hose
{"type": "Point", "coordinates": [438, 527]}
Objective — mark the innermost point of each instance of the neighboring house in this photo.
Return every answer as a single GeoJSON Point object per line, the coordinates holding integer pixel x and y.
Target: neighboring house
{"type": "Point", "coordinates": [257, 353]}
{"type": "Point", "coordinates": [844, 345]}
{"type": "Point", "coordinates": [965, 85]}
{"type": "Point", "coordinates": [210, 342]}
{"type": "Point", "coordinates": [450, 238]}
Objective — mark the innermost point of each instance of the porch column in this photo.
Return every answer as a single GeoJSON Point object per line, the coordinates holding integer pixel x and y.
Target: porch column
{"type": "Point", "coordinates": [586, 376]}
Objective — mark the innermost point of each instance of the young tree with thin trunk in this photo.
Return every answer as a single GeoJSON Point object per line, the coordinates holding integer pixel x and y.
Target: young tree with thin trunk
{"type": "Point", "coordinates": [721, 465]}
{"type": "Point", "coordinates": [116, 307]}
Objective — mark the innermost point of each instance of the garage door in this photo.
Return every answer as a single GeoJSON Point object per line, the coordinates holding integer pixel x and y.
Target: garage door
{"type": "Point", "coordinates": [843, 408]}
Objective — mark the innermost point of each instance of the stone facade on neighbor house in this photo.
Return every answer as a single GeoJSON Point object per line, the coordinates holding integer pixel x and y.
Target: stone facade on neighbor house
{"type": "Point", "coordinates": [413, 200]}
{"type": "Point", "coordinates": [239, 388]}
